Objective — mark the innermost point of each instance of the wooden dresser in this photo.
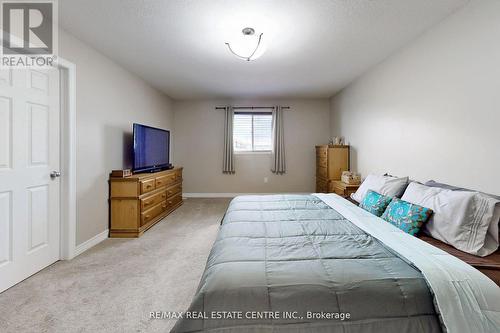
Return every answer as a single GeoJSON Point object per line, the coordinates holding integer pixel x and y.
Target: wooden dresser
{"type": "Point", "coordinates": [330, 162]}
{"type": "Point", "coordinates": [140, 201]}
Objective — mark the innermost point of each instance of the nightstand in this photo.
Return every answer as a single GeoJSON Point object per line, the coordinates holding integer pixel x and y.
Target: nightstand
{"type": "Point", "coordinates": [341, 188]}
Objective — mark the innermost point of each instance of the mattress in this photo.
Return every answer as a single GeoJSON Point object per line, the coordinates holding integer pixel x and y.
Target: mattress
{"type": "Point", "coordinates": [291, 263]}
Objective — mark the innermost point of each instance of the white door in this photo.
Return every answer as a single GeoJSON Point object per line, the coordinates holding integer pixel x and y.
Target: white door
{"type": "Point", "coordinates": [29, 152]}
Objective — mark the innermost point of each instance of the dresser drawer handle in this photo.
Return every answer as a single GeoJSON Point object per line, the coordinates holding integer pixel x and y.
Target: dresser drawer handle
{"type": "Point", "coordinates": [159, 182]}
{"type": "Point", "coordinates": [164, 206]}
{"type": "Point", "coordinates": [148, 216]}
{"type": "Point", "coordinates": [149, 186]}
{"type": "Point", "coordinates": [163, 195]}
{"type": "Point", "coordinates": [170, 202]}
{"type": "Point", "coordinates": [146, 203]}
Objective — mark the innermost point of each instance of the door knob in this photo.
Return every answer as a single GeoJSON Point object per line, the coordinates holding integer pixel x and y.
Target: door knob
{"type": "Point", "coordinates": [55, 174]}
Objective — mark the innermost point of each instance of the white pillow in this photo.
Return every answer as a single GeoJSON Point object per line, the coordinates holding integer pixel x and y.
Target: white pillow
{"type": "Point", "coordinates": [386, 185]}
{"type": "Point", "coordinates": [491, 209]}
{"type": "Point", "coordinates": [462, 219]}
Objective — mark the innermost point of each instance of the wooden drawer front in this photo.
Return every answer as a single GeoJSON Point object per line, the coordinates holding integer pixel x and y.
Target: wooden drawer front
{"type": "Point", "coordinates": [174, 200]}
{"type": "Point", "coordinates": [321, 186]}
{"type": "Point", "coordinates": [339, 191]}
{"type": "Point", "coordinates": [162, 181]}
{"type": "Point", "coordinates": [147, 185]}
{"type": "Point", "coordinates": [342, 189]}
{"type": "Point", "coordinates": [150, 214]}
{"type": "Point", "coordinates": [155, 199]}
{"type": "Point", "coordinates": [343, 192]}
{"type": "Point", "coordinates": [171, 191]}
{"type": "Point", "coordinates": [321, 172]}
{"type": "Point", "coordinates": [175, 176]}
{"type": "Point", "coordinates": [321, 151]}
{"type": "Point", "coordinates": [169, 179]}
{"type": "Point", "coordinates": [122, 189]}
{"type": "Point", "coordinates": [322, 162]}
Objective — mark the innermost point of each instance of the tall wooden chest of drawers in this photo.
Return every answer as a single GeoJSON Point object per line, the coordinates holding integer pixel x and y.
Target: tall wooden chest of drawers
{"type": "Point", "coordinates": [140, 201]}
{"type": "Point", "coordinates": [330, 162]}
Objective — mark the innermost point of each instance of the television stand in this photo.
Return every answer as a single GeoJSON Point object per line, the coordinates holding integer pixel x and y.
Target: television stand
{"type": "Point", "coordinates": [140, 201]}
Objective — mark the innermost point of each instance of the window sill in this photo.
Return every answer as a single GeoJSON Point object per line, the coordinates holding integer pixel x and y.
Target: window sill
{"type": "Point", "coordinates": [267, 152]}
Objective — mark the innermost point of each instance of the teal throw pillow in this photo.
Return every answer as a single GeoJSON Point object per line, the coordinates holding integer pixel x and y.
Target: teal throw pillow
{"type": "Point", "coordinates": [375, 203]}
{"type": "Point", "coordinates": [406, 216]}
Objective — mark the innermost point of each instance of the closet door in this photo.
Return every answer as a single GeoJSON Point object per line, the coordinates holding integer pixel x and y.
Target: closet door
{"type": "Point", "coordinates": [29, 155]}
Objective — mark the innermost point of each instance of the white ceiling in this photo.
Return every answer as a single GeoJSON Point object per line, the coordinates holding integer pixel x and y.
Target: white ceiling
{"type": "Point", "coordinates": [316, 47]}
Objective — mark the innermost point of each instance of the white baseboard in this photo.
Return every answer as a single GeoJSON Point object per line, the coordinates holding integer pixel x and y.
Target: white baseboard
{"type": "Point", "coordinates": [229, 195]}
{"type": "Point", "coordinates": [91, 242]}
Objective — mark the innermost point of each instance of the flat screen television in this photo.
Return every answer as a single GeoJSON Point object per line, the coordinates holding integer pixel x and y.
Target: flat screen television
{"type": "Point", "coordinates": [151, 149]}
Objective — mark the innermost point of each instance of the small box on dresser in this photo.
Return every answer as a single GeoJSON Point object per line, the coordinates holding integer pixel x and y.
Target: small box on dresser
{"type": "Point", "coordinates": [140, 201]}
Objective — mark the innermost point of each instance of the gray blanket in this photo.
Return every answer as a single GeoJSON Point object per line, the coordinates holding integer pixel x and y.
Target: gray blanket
{"type": "Point", "coordinates": [290, 263]}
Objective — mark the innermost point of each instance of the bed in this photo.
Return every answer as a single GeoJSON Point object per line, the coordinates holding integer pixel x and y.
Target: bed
{"type": "Point", "coordinates": [314, 263]}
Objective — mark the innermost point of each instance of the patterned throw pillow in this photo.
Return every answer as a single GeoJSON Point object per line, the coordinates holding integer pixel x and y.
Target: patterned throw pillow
{"type": "Point", "coordinates": [406, 216]}
{"type": "Point", "coordinates": [375, 203]}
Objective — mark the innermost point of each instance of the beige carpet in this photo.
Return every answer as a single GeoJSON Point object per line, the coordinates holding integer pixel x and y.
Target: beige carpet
{"type": "Point", "coordinates": [113, 286]}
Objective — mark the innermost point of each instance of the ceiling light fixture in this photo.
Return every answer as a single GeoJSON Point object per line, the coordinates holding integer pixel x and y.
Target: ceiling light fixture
{"type": "Point", "coordinates": [249, 47]}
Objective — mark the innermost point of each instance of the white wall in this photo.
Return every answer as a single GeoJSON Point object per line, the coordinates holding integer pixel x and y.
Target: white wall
{"type": "Point", "coordinates": [432, 111]}
{"type": "Point", "coordinates": [198, 142]}
{"type": "Point", "coordinates": [109, 99]}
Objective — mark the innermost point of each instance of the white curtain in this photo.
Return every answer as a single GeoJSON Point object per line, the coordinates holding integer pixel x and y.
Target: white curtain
{"type": "Point", "coordinates": [278, 163]}
{"type": "Point", "coordinates": [228, 161]}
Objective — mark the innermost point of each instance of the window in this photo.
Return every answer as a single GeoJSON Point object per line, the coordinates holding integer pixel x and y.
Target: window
{"type": "Point", "coordinates": [252, 131]}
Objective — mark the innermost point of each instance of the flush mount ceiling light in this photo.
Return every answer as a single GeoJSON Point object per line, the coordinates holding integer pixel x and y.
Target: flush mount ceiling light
{"type": "Point", "coordinates": [247, 47]}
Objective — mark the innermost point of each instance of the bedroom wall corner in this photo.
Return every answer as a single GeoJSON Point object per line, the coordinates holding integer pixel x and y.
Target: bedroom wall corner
{"type": "Point", "coordinates": [109, 99]}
